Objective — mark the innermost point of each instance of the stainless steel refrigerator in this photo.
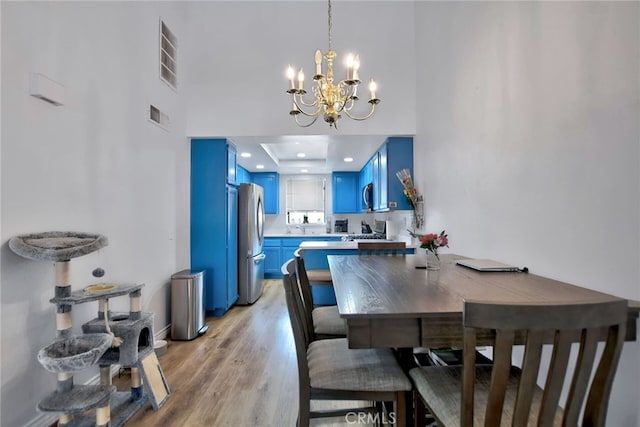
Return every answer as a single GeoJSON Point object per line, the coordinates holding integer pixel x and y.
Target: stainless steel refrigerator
{"type": "Point", "coordinates": [250, 239]}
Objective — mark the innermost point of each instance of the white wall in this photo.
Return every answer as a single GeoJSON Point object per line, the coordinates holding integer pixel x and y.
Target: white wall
{"type": "Point", "coordinates": [95, 164]}
{"type": "Point", "coordinates": [527, 144]}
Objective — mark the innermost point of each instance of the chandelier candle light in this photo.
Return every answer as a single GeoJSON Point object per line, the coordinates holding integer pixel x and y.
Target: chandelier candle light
{"type": "Point", "coordinates": [329, 99]}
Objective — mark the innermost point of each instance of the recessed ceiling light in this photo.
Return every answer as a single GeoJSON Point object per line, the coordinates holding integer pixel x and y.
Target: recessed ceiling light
{"type": "Point", "coordinates": [304, 170]}
{"type": "Point", "coordinates": [348, 159]}
{"type": "Point", "coordinates": [301, 155]}
{"type": "Point", "coordinates": [245, 154]}
{"type": "Point", "coordinates": [259, 166]}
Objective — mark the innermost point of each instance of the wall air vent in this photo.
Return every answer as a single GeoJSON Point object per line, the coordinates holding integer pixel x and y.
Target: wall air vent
{"type": "Point", "coordinates": [168, 56]}
{"type": "Point", "coordinates": [158, 117]}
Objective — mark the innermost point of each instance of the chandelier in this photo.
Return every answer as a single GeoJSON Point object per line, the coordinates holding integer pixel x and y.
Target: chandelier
{"type": "Point", "coordinates": [329, 99]}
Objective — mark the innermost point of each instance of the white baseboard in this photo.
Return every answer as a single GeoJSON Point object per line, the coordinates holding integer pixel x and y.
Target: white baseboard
{"type": "Point", "coordinates": [48, 419]}
{"type": "Point", "coordinates": [163, 333]}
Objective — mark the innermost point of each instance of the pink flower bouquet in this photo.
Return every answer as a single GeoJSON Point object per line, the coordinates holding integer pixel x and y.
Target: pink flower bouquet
{"type": "Point", "coordinates": [431, 242]}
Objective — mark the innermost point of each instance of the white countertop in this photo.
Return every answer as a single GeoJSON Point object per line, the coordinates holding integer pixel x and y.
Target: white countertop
{"type": "Point", "coordinates": [345, 245]}
{"type": "Point", "coordinates": [306, 235]}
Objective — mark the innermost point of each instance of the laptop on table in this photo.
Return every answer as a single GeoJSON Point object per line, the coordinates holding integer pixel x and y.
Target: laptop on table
{"type": "Point", "coordinates": [486, 265]}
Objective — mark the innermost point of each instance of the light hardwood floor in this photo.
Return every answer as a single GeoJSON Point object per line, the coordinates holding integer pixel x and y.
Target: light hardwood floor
{"type": "Point", "coordinates": [241, 372]}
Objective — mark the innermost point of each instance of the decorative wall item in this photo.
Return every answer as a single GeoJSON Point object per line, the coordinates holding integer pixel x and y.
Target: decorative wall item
{"type": "Point", "coordinates": [414, 198]}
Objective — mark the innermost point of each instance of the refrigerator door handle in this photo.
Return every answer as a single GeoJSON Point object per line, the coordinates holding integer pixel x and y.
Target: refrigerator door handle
{"type": "Point", "coordinates": [259, 258]}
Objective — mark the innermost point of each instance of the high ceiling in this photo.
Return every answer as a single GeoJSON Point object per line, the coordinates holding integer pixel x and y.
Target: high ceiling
{"type": "Point", "coordinates": [323, 153]}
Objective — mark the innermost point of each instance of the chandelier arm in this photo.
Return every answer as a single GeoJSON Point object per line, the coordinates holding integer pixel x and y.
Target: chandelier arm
{"type": "Point", "coordinates": [301, 101]}
{"type": "Point", "coordinates": [373, 108]}
{"type": "Point", "coordinates": [347, 100]}
{"type": "Point", "coordinates": [315, 113]}
{"type": "Point", "coordinates": [308, 124]}
{"type": "Point", "coordinates": [349, 103]}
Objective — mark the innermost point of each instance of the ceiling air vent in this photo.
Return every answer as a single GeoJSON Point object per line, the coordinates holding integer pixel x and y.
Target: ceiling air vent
{"type": "Point", "coordinates": [168, 56]}
{"type": "Point", "coordinates": [158, 117]}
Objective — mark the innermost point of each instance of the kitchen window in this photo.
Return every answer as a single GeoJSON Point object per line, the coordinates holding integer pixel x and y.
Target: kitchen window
{"type": "Point", "coordinates": [305, 200]}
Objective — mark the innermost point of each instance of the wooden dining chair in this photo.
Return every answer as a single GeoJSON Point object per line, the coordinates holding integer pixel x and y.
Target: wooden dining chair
{"type": "Point", "coordinates": [318, 276]}
{"type": "Point", "coordinates": [322, 322]}
{"type": "Point", "coordinates": [382, 248]}
{"type": "Point", "coordinates": [506, 395]}
{"type": "Point", "coordinates": [329, 370]}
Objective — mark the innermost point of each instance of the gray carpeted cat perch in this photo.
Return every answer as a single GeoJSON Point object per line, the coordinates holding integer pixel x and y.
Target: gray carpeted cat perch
{"type": "Point", "coordinates": [110, 338]}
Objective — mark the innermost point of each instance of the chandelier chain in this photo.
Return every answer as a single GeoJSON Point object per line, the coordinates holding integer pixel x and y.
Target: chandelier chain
{"type": "Point", "coordinates": [329, 24]}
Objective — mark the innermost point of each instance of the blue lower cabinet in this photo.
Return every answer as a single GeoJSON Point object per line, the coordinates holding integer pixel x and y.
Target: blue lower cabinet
{"type": "Point", "coordinates": [289, 246]}
{"type": "Point", "coordinates": [272, 262]}
{"type": "Point", "coordinates": [281, 249]}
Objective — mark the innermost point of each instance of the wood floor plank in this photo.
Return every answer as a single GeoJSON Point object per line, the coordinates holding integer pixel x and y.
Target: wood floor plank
{"type": "Point", "coordinates": [241, 372]}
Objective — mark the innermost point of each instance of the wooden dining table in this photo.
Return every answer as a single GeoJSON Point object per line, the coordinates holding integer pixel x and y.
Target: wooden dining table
{"type": "Point", "coordinates": [393, 301]}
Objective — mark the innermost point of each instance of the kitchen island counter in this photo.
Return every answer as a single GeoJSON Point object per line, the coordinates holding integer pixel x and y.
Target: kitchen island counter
{"type": "Point", "coordinates": [310, 234]}
{"type": "Point", "coordinates": [347, 245]}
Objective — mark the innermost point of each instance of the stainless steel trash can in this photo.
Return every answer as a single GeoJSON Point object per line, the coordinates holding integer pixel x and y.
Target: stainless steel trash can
{"type": "Point", "coordinates": [187, 305]}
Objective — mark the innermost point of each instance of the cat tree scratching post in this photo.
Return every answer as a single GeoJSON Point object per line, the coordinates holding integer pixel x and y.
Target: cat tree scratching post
{"type": "Point", "coordinates": [90, 405]}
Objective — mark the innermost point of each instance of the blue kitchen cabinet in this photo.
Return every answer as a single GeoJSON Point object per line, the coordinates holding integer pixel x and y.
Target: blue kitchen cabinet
{"type": "Point", "coordinates": [289, 246]}
{"type": "Point", "coordinates": [242, 175]}
{"type": "Point", "coordinates": [281, 249]}
{"type": "Point", "coordinates": [273, 260]}
{"type": "Point", "coordinates": [214, 222]}
{"type": "Point", "coordinates": [270, 182]}
{"type": "Point", "coordinates": [375, 179]}
{"type": "Point", "coordinates": [232, 163]}
{"type": "Point", "coordinates": [383, 179]}
{"type": "Point", "coordinates": [367, 173]}
{"type": "Point", "coordinates": [322, 295]}
{"type": "Point", "coordinates": [366, 176]}
{"type": "Point", "coordinates": [398, 155]}
{"type": "Point", "coordinates": [394, 155]}
{"type": "Point", "coordinates": [345, 188]}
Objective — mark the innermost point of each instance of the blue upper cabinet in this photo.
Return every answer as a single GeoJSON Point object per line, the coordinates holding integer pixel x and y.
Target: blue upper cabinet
{"type": "Point", "coordinates": [345, 192]}
{"type": "Point", "coordinates": [366, 177]}
{"type": "Point", "coordinates": [399, 155]}
{"type": "Point", "coordinates": [270, 182]}
{"type": "Point", "coordinates": [242, 175]}
{"type": "Point", "coordinates": [394, 155]}
{"type": "Point", "coordinates": [232, 156]}
{"type": "Point", "coordinates": [383, 179]}
{"type": "Point", "coordinates": [375, 179]}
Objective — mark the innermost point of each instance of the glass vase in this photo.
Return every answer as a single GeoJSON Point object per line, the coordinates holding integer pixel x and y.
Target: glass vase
{"type": "Point", "coordinates": [433, 261]}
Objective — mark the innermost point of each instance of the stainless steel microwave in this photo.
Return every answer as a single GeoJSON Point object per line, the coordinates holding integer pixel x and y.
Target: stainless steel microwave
{"type": "Point", "coordinates": [367, 198]}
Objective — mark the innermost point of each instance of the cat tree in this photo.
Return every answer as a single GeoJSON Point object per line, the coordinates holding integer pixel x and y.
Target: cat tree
{"type": "Point", "coordinates": [111, 338]}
